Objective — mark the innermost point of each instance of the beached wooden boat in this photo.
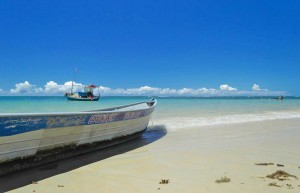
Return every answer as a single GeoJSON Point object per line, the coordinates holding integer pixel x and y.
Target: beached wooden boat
{"type": "Point", "coordinates": [32, 139]}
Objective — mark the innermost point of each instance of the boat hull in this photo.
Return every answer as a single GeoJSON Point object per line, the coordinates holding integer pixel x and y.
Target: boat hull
{"type": "Point", "coordinates": [55, 154]}
{"type": "Point", "coordinates": [40, 138]}
{"type": "Point", "coordinates": [72, 98]}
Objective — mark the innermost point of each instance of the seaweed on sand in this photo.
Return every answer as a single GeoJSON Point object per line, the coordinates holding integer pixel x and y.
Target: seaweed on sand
{"type": "Point", "coordinates": [264, 164]}
{"type": "Point", "coordinates": [281, 175]}
{"type": "Point", "coordinates": [274, 184]}
{"type": "Point", "coordinates": [164, 181]}
{"type": "Point", "coordinates": [223, 180]}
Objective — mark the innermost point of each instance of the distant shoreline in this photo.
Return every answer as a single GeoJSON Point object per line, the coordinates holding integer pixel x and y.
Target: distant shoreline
{"type": "Point", "coordinates": [200, 97]}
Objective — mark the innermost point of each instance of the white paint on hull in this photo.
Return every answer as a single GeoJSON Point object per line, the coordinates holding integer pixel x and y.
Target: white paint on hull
{"type": "Point", "coordinates": [30, 143]}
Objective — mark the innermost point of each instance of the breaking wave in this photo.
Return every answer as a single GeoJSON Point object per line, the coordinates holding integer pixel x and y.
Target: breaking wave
{"type": "Point", "coordinates": [175, 123]}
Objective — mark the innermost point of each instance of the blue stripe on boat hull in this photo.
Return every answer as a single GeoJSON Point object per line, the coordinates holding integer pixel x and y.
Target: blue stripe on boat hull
{"type": "Point", "coordinates": [13, 125]}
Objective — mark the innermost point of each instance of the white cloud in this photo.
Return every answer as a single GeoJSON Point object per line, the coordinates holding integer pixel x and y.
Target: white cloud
{"type": "Point", "coordinates": [256, 87]}
{"type": "Point", "coordinates": [201, 92]}
{"type": "Point", "coordinates": [50, 88]}
{"type": "Point", "coordinates": [26, 88]}
{"type": "Point", "coordinates": [53, 88]}
{"type": "Point", "coordinates": [153, 91]}
{"type": "Point", "coordinates": [227, 87]}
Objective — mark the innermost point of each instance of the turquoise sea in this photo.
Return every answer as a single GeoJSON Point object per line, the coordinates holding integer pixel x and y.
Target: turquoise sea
{"type": "Point", "coordinates": [173, 112]}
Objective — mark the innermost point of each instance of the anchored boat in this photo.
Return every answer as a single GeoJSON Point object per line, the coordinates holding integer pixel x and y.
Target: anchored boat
{"type": "Point", "coordinates": [28, 139]}
{"type": "Point", "coordinates": [86, 95]}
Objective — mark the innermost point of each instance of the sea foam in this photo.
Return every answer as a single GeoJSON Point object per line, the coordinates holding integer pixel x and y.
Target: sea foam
{"type": "Point", "coordinates": [176, 123]}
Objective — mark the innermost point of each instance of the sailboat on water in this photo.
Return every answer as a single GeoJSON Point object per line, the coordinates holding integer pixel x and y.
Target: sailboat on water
{"type": "Point", "coordinates": [86, 95]}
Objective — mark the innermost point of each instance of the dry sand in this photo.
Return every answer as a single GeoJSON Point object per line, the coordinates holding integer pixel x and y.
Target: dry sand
{"type": "Point", "coordinates": [191, 160]}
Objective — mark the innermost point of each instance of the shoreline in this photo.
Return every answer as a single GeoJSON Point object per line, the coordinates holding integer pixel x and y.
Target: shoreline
{"type": "Point", "coordinates": [192, 160]}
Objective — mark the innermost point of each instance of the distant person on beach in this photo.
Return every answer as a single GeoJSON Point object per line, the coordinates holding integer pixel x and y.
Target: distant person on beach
{"type": "Point", "coordinates": [281, 97]}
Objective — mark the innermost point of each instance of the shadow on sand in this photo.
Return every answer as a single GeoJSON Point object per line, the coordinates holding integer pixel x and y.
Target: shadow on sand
{"type": "Point", "coordinates": [22, 178]}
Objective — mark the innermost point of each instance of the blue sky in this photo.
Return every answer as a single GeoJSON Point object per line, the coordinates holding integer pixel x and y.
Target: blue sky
{"type": "Point", "coordinates": [159, 44]}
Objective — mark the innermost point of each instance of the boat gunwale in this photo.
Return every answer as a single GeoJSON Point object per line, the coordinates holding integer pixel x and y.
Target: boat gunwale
{"type": "Point", "coordinates": [99, 111]}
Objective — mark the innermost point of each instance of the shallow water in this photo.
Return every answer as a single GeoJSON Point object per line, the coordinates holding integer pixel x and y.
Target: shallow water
{"type": "Point", "coordinates": [175, 113]}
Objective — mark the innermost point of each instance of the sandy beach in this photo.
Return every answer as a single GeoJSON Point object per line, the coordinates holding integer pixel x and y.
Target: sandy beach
{"type": "Point", "coordinates": [197, 96]}
{"type": "Point", "coordinates": [189, 160]}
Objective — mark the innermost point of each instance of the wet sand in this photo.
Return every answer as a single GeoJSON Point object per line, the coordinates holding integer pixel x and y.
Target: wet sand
{"type": "Point", "coordinates": [198, 159]}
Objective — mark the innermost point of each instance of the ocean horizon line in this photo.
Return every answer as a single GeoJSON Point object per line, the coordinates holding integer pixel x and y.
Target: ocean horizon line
{"type": "Point", "coordinates": [150, 96]}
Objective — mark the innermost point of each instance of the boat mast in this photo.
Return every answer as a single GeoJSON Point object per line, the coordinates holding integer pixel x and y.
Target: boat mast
{"type": "Point", "coordinates": [73, 80]}
{"type": "Point", "coordinates": [72, 87]}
